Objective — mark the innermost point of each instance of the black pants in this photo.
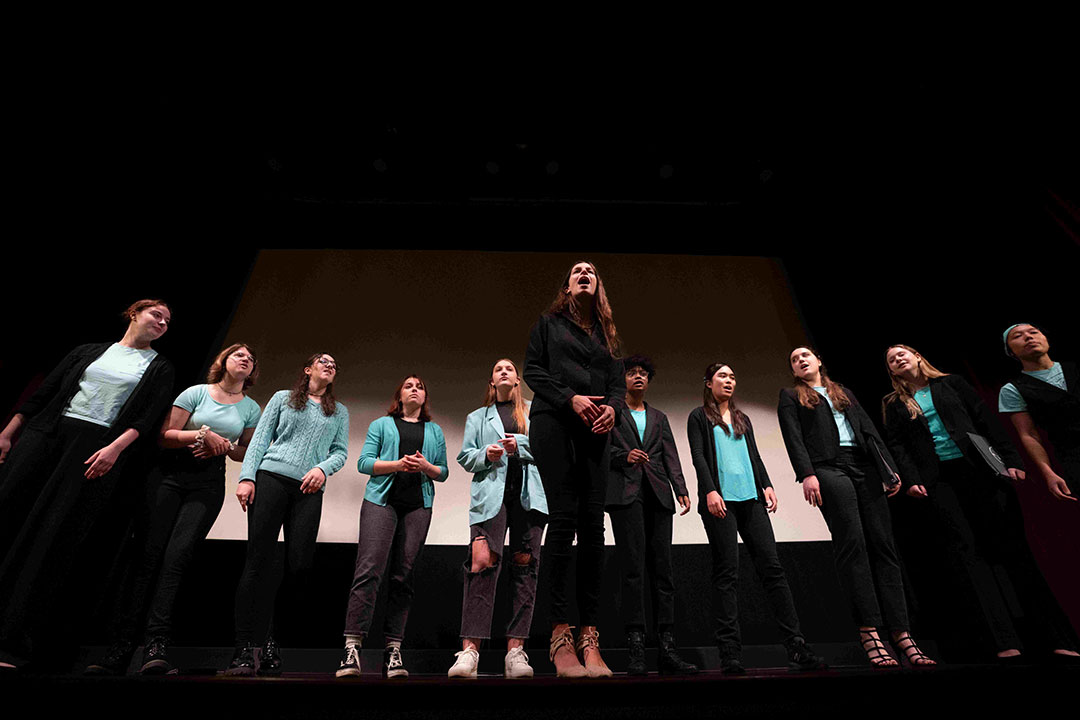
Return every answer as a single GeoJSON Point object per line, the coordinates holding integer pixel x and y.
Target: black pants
{"type": "Point", "coordinates": [183, 498]}
{"type": "Point", "coordinates": [48, 514]}
{"type": "Point", "coordinates": [749, 519]}
{"type": "Point", "coordinates": [643, 542]}
{"type": "Point", "coordinates": [278, 502]}
{"type": "Point", "coordinates": [573, 464]}
{"type": "Point", "coordinates": [857, 512]}
{"type": "Point", "coordinates": [982, 529]}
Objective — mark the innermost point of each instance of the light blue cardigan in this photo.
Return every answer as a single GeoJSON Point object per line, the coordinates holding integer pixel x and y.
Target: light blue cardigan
{"type": "Point", "coordinates": [484, 427]}
{"type": "Point", "coordinates": [382, 443]}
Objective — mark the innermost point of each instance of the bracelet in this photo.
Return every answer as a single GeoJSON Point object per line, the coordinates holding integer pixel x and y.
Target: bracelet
{"type": "Point", "coordinates": [201, 436]}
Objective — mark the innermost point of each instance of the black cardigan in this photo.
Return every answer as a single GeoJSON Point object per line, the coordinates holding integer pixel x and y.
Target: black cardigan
{"type": "Point", "coordinates": [144, 409]}
{"type": "Point", "coordinates": [811, 436]}
{"type": "Point", "coordinates": [563, 360]}
{"type": "Point", "coordinates": [663, 471]}
{"type": "Point", "coordinates": [703, 453]}
{"type": "Point", "coordinates": [961, 411]}
{"type": "Point", "coordinates": [1055, 410]}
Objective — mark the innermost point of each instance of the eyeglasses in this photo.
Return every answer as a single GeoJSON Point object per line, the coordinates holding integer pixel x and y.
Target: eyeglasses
{"type": "Point", "coordinates": [328, 364]}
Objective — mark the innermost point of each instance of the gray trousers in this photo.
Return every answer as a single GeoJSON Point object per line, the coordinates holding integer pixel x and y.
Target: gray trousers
{"type": "Point", "coordinates": [478, 602]}
{"type": "Point", "coordinates": [385, 536]}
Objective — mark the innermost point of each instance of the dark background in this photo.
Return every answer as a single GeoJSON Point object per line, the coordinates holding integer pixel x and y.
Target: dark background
{"type": "Point", "coordinates": [922, 205]}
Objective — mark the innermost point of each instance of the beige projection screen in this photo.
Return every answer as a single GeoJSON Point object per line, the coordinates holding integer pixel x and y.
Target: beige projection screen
{"type": "Point", "coordinates": [448, 316]}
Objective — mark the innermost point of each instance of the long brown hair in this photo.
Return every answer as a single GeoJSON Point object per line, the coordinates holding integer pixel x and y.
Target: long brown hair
{"type": "Point", "coordinates": [217, 368]}
{"type": "Point", "coordinates": [298, 397]}
{"type": "Point", "coordinates": [601, 311]}
{"type": "Point", "coordinates": [491, 395]}
{"type": "Point", "coordinates": [139, 305]}
{"type": "Point", "coordinates": [808, 396]}
{"type": "Point", "coordinates": [902, 389]}
{"type": "Point", "coordinates": [397, 408]}
{"type": "Point", "coordinates": [712, 407]}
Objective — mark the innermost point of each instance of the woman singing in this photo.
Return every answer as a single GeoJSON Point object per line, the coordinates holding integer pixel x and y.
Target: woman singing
{"type": "Point", "coordinates": [301, 439]}
{"type": "Point", "coordinates": [506, 494]}
{"type": "Point", "coordinates": [184, 494]}
{"type": "Point", "coordinates": [933, 421]}
{"type": "Point", "coordinates": [403, 453]}
{"type": "Point", "coordinates": [844, 466]}
{"type": "Point", "coordinates": [734, 493]}
{"type": "Point", "coordinates": [578, 387]}
{"type": "Point", "coordinates": [79, 430]}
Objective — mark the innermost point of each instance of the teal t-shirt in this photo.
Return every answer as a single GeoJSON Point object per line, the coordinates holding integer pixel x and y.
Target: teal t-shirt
{"type": "Point", "coordinates": [639, 420]}
{"type": "Point", "coordinates": [944, 446]}
{"type": "Point", "coordinates": [733, 467]}
{"type": "Point", "coordinates": [1009, 398]}
{"type": "Point", "coordinates": [847, 435]}
{"type": "Point", "coordinates": [107, 384]}
{"type": "Point", "coordinates": [227, 420]}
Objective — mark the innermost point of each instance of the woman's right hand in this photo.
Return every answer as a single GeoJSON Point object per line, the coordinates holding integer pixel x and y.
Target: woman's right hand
{"type": "Point", "coordinates": [811, 490]}
{"type": "Point", "coordinates": [637, 456]}
{"type": "Point", "coordinates": [5, 448]}
{"type": "Point", "coordinates": [586, 408]}
{"type": "Point", "coordinates": [494, 452]}
{"type": "Point", "coordinates": [410, 464]}
{"type": "Point", "coordinates": [917, 491]}
{"type": "Point", "coordinates": [245, 493]}
{"type": "Point", "coordinates": [715, 504]}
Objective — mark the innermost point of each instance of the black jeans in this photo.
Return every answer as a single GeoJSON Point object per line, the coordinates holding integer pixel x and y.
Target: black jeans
{"type": "Point", "coordinates": [573, 464]}
{"type": "Point", "coordinates": [385, 536]}
{"type": "Point", "coordinates": [642, 532]}
{"type": "Point", "coordinates": [749, 519]}
{"type": "Point", "coordinates": [478, 601]}
{"type": "Point", "coordinates": [278, 502]}
{"type": "Point", "coordinates": [857, 512]}
{"type": "Point", "coordinates": [183, 498]}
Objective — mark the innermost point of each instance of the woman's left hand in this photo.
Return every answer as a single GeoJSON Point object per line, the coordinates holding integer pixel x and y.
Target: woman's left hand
{"type": "Point", "coordinates": [606, 421]}
{"type": "Point", "coordinates": [509, 444]}
{"type": "Point", "coordinates": [684, 501]}
{"type": "Point", "coordinates": [313, 479]}
{"type": "Point", "coordinates": [1016, 474]}
{"type": "Point", "coordinates": [771, 503]}
{"type": "Point", "coordinates": [212, 446]}
{"type": "Point", "coordinates": [101, 462]}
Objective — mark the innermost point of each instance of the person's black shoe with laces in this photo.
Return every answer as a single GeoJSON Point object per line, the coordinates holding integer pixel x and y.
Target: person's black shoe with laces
{"type": "Point", "coordinates": [635, 644]}
{"type": "Point", "coordinates": [155, 659]}
{"type": "Point", "coordinates": [802, 658]}
{"type": "Point", "coordinates": [668, 658]}
{"type": "Point", "coordinates": [732, 665]}
{"type": "Point", "coordinates": [243, 662]}
{"type": "Point", "coordinates": [114, 662]}
{"type": "Point", "coordinates": [270, 658]}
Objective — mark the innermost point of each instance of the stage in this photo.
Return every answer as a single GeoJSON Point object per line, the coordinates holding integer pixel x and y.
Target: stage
{"type": "Point", "coordinates": [843, 691]}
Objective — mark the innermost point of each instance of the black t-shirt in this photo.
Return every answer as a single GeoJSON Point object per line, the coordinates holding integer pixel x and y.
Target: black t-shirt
{"type": "Point", "coordinates": [513, 464]}
{"type": "Point", "coordinates": [405, 492]}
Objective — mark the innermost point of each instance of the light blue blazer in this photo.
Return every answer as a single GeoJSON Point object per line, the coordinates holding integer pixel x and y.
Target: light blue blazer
{"type": "Point", "coordinates": [382, 443]}
{"type": "Point", "coordinates": [484, 427]}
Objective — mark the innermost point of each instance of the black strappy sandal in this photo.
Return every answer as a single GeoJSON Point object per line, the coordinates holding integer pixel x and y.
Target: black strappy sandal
{"type": "Point", "coordinates": [876, 651]}
{"type": "Point", "coordinates": [910, 652]}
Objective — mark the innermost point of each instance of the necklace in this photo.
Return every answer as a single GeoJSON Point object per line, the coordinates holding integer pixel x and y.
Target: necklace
{"type": "Point", "coordinates": [222, 389]}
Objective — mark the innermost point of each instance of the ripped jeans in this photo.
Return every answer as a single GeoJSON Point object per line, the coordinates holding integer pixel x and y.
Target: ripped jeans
{"type": "Point", "coordinates": [526, 530]}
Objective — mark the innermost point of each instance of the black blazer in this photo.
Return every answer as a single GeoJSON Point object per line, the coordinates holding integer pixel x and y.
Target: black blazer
{"type": "Point", "coordinates": [699, 431]}
{"type": "Point", "coordinates": [811, 436]}
{"type": "Point", "coordinates": [962, 411]}
{"type": "Point", "coordinates": [664, 472]}
{"type": "Point", "coordinates": [144, 409]}
{"type": "Point", "coordinates": [563, 360]}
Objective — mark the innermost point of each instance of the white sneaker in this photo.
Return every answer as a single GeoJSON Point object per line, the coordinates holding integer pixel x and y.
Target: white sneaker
{"type": "Point", "coordinates": [517, 664]}
{"type": "Point", "coordinates": [465, 665]}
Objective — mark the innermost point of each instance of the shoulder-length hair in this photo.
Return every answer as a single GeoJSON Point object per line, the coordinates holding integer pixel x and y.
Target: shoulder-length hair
{"type": "Point", "coordinates": [397, 408]}
{"type": "Point", "coordinates": [902, 389]}
{"type": "Point", "coordinates": [298, 396]}
{"type": "Point", "coordinates": [809, 397]}
{"type": "Point", "coordinates": [739, 422]}
{"type": "Point", "coordinates": [602, 310]}
{"type": "Point", "coordinates": [217, 368]}
{"type": "Point", "coordinates": [515, 397]}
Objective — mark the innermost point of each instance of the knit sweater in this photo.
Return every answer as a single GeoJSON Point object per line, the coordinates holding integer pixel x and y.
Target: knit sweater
{"type": "Point", "coordinates": [292, 442]}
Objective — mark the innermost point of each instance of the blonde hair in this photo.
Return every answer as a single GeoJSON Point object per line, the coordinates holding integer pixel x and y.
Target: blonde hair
{"type": "Point", "coordinates": [902, 389]}
{"type": "Point", "coordinates": [515, 397]}
{"type": "Point", "coordinates": [808, 396]}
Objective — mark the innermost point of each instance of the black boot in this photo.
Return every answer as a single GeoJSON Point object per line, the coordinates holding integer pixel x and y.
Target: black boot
{"type": "Point", "coordinates": [155, 659]}
{"type": "Point", "coordinates": [243, 661]}
{"type": "Point", "coordinates": [270, 658]}
{"type": "Point", "coordinates": [115, 662]}
{"type": "Point", "coordinates": [801, 656]}
{"type": "Point", "coordinates": [635, 644]}
{"type": "Point", "coordinates": [668, 659]}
